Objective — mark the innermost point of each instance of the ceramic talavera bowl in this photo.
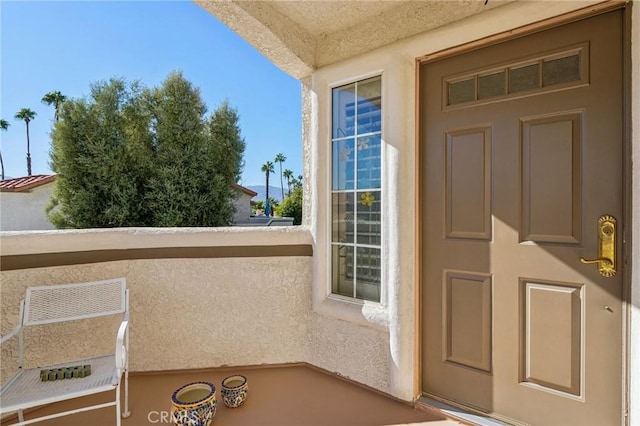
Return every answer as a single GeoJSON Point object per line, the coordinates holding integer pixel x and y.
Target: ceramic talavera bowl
{"type": "Point", "coordinates": [234, 390]}
{"type": "Point", "coordinates": [194, 404]}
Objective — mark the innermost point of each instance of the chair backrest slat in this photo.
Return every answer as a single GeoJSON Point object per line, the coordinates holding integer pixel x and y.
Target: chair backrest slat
{"type": "Point", "coordinates": [57, 303]}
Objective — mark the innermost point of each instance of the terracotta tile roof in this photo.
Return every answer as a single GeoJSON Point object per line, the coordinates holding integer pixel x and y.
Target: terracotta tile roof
{"type": "Point", "coordinates": [243, 189]}
{"type": "Point", "coordinates": [25, 183]}
{"type": "Point", "coordinates": [28, 182]}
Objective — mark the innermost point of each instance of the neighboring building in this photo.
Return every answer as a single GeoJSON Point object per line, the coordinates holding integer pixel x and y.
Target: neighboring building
{"type": "Point", "coordinates": [23, 201]}
{"type": "Point", "coordinates": [462, 159]}
{"type": "Point", "coordinates": [243, 204]}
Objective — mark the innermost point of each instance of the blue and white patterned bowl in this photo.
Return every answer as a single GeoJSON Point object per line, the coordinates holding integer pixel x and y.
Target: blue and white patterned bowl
{"type": "Point", "coordinates": [234, 390]}
{"type": "Point", "coordinates": [194, 404]}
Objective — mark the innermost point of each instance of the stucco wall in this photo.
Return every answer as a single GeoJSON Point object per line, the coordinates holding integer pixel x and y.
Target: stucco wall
{"type": "Point", "coordinates": [185, 313]}
{"type": "Point", "coordinates": [194, 313]}
{"type": "Point", "coordinates": [243, 208]}
{"type": "Point", "coordinates": [397, 313]}
{"type": "Point", "coordinates": [20, 211]}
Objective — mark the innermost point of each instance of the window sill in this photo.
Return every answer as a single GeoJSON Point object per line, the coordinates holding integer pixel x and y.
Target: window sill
{"type": "Point", "coordinates": [361, 312]}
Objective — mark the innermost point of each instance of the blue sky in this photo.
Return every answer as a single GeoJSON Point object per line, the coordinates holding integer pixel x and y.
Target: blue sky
{"type": "Point", "coordinates": [67, 45]}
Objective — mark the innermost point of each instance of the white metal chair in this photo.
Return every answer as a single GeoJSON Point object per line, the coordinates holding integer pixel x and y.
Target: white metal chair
{"type": "Point", "coordinates": [70, 302]}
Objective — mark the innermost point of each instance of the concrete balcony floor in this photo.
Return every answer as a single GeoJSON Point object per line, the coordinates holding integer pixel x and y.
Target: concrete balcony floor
{"type": "Point", "coordinates": [296, 395]}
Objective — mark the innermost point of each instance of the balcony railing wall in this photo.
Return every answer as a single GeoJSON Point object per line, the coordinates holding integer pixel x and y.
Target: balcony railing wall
{"type": "Point", "coordinates": [198, 299]}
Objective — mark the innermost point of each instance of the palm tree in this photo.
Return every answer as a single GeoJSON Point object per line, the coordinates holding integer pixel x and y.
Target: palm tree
{"type": "Point", "coordinates": [268, 169]}
{"type": "Point", "coordinates": [27, 115]}
{"type": "Point", "coordinates": [280, 158]}
{"type": "Point", "coordinates": [4, 125]}
{"type": "Point", "coordinates": [288, 174]}
{"type": "Point", "coordinates": [56, 99]}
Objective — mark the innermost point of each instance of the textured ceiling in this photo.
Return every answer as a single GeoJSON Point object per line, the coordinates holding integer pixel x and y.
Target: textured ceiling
{"type": "Point", "coordinates": [322, 17]}
{"type": "Point", "coordinates": [302, 35]}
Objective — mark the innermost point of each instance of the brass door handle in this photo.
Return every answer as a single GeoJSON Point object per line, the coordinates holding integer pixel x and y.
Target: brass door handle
{"type": "Point", "coordinates": [607, 248]}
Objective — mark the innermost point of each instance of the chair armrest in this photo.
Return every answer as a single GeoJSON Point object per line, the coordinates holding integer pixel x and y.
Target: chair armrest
{"type": "Point", "coordinates": [12, 333]}
{"type": "Point", "coordinates": [121, 348]}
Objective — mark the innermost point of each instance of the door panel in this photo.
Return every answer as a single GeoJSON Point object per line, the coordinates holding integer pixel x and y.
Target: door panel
{"type": "Point", "coordinates": [467, 319]}
{"type": "Point", "coordinates": [551, 178]}
{"type": "Point", "coordinates": [552, 335]}
{"type": "Point", "coordinates": [522, 146]}
{"type": "Point", "coordinates": [467, 183]}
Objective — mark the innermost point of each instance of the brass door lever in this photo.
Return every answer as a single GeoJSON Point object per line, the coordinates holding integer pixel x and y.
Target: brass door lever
{"type": "Point", "coordinates": [607, 248]}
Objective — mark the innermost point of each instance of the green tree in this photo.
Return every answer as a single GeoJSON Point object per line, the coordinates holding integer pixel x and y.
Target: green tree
{"type": "Point", "coordinates": [273, 203]}
{"type": "Point", "coordinates": [98, 153]}
{"type": "Point", "coordinates": [177, 193]}
{"type": "Point", "coordinates": [134, 156]}
{"type": "Point", "coordinates": [4, 125]}
{"type": "Point", "coordinates": [288, 174]}
{"type": "Point", "coordinates": [258, 206]}
{"type": "Point", "coordinates": [292, 206]}
{"type": "Point", "coordinates": [295, 183]}
{"type": "Point", "coordinates": [267, 168]}
{"type": "Point", "coordinates": [280, 158]}
{"type": "Point", "coordinates": [26, 115]}
{"type": "Point", "coordinates": [227, 140]}
{"type": "Point", "coordinates": [56, 99]}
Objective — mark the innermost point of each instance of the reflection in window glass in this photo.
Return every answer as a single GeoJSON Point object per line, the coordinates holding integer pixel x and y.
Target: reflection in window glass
{"type": "Point", "coordinates": [369, 217]}
{"type": "Point", "coordinates": [368, 269]}
{"type": "Point", "coordinates": [524, 78]}
{"type": "Point", "coordinates": [343, 111]}
{"type": "Point", "coordinates": [491, 85]}
{"type": "Point", "coordinates": [369, 115]}
{"type": "Point", "coordinates": [343, 213]}
{"type": "Point", "coordinates": [342, 261]}
{"type": "Point", "coordinates": [561, 70]}
{"type": "Point", "coordinates": [368, 162]}
{"type": "Point", "coordinates": [343, 172]}
{"type": "Point", "coordinates": [356, 199]}
{"type": "Point", "coordinates": [462, 91]}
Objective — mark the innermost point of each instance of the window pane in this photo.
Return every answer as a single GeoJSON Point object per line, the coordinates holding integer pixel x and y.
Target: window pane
{"type": "Point", "coordinates": [342, 270]}
{"type": "Point", "coordinates": [344, 111]}
{"type": "Point", "coordinates": [343, 165]}
{"type": "Point", "coordinates": [369, 218]}
{"type": "Point", "coordinates": [491, 85]}
{"type": "Point", "coordinates": [462, 91]}
{"type": "Point", "coordinates": [561, 70]}
{"type": "Point", "coordinates": [356, 181]}
{"type": "Point", "coordinates": [369, 162]}
{"type": "Point", "coordinates": [369, 116]}
{"type": "Point", "coordinates": [342, 214]}
{"type": "Point", "coordinates": [368, 272]}
{"type": "Point", "coordinates": [524, 78]}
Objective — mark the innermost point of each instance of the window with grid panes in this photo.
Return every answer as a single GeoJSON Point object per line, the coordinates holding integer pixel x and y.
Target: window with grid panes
{"type": "Point", "coordinates": [356, 194]}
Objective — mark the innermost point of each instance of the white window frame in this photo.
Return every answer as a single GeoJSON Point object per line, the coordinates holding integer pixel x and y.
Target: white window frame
{"type": "Point", "coordinates": [329, 193]}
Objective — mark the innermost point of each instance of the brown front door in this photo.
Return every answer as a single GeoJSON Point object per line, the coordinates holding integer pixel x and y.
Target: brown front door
{"type": "Point", "coordinates": [522, 154]}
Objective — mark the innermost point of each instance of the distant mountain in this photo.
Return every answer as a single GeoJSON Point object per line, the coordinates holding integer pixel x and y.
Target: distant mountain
{"type": "Point", "coordinates": [274, 192]}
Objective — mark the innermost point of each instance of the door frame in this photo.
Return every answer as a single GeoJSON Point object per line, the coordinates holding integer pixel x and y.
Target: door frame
{"type": "Point", "coordinates": [626, 231]}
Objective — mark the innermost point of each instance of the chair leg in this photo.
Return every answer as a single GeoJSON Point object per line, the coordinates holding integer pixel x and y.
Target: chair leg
{"type": "Point", "coordinates": [126, 413]}
{"type": "Point", "coordinates": [118, 422]}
